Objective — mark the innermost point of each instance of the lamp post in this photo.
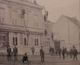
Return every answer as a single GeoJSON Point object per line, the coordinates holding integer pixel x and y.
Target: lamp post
{"type": "Point", "coordinates": [68, 32]}
{"type": "Point", "coordinates": [23, 18]}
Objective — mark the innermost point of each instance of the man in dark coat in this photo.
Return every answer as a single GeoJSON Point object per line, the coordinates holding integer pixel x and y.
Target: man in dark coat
{"type": "Point", "coordinates": [42, 54]}
{"type": "Point", "coordinates": [33, 50]}
{"type": "Point", "coordinates": [59, 51]}
{"type": "Point", "coordinates": [63, 52]}
{"type": "Point", "coordinates": [15, 53]}
{"type": "Point", "coordinates": [75, 53]}
{"type": "Point", "coordinates": [8, 53]}
{"type": "Point", "coordinates": [71, 53]}
{"type": "Point", "coordinates": [50, 50]}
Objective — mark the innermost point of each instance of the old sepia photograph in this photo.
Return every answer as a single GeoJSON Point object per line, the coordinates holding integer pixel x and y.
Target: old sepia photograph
{"type": "Point", "coordinates": [39, 32]}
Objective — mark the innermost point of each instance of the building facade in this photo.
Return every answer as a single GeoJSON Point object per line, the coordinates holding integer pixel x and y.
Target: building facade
{"type": "Point", "coordinates": [67, 31]}
{"type": "Point", "coordinates": [49, 35]}
{"type": "Point", "coordinates": [21, 25]}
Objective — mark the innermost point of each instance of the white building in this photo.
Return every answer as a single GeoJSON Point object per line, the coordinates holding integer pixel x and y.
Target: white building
{"type": "Point", "coordinates": [21, 25]}
{"type": "Point", "coordinates": [67, 30]}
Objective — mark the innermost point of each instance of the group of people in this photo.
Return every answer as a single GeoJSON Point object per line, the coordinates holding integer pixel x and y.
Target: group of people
{"type": "Point", "coordinates": [25, 57]}
{"type": "Point", "coordinates": [72, 53]}
{"type": "Point", "coordinates": [12, 52]}
{"type": "Point", "coordinates": [61, 52]}
{"type": "Point", "coordinates": [51, 51]}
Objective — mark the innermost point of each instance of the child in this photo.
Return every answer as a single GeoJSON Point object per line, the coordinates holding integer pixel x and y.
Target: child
{"type": "Point", "coordinates": [25, 58]}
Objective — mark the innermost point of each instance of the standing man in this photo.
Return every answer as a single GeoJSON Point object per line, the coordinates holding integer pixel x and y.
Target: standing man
{"type": "Point", "coordinates": [42, 55]}
{"type": "Point", "coordinates": [33, 50]}
{"type": "Point", "coordinates": [50, 51]}
{"type": "Point", "coordinates": [59, 51]}
{"type": "Point", "coordinates": [63, 52]}
{"type": "Point", "coordinates": [15, 53]}
{"type": "Point", "coordinates": [71, 53]}
{"type": "Point", "coordinates": [75, 53]}
{"type": "Point", "coordinates": [8, 53]}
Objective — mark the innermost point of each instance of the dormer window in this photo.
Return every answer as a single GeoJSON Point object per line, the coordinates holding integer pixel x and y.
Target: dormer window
{"type": "Point", "coordinates": [35, 2]}
{"type": "Point", "coordinates": [22, 13]}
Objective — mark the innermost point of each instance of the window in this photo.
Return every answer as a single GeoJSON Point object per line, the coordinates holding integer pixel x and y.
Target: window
{"type": "Point", "coordinates": [45, 32]}
{"type": "Point", "coordinates": [2, 15]}
{"type": "Point", "coordinates": [1, 19]}
{"type": "Point", "coordinates": [22, 13]}
{"type": "Point", "coordinates": [4, 38]}
{"type": "Point", "coordinates": [15, 41]}
{"type": "Point", "coordinates": [24, 41]}
{"type": "Point", "coordinates": [45, 16]}
{"type": "Point", "coordinates": [36, 42]}
{"type": "Point", "coordinates": [52, 36]}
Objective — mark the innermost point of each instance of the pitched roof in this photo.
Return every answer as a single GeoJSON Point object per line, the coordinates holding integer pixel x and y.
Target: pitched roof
{"type": "Point", "coordinates": [72, 19]}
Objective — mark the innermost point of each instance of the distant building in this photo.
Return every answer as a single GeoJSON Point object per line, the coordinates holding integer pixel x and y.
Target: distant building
{"type": "Point", "coordinates": [67, 31]}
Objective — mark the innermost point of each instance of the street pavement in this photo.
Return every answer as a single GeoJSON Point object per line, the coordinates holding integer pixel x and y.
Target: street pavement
{"type": "Point", "coordinates": [35, 60]}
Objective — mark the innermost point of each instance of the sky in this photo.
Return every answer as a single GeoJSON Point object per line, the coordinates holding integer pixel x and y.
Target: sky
{"type": "Point", "coordinates": [56, 8]}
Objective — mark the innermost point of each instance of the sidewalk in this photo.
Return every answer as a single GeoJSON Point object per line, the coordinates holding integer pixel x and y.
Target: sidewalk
{"type": "Point", "coordinates": [35, 60]}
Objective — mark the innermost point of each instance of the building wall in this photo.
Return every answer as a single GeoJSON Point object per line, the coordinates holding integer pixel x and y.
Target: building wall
{"type": "Point", "coordinates": [74, 35]}
{"type": "Point", "coordinates": [48, 36]}
{"type": "Point", "coordinates": [22, 48]}
{"type": "Point", "coordinates": [60, 30]}
{"type": "Point", "coordinates": [67, 32]}
{"type": "Point", "coordinates": [16, 26]}
{"type": "Point", "coordinates": [49, 27]}
{"type": "Point", "coordinates": [11, 11]}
